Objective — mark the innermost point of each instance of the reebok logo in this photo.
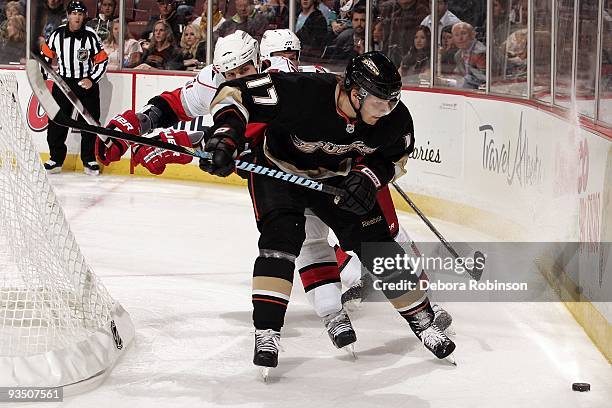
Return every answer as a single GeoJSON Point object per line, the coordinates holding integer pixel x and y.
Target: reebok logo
{"type": "Point", "coordinates": [375, 220]}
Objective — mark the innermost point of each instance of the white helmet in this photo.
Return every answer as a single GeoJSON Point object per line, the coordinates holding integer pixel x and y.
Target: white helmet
{"type": "Point", "coordinates": [235, 50]}
{"type": "Point", "coordinates": [279, 40]}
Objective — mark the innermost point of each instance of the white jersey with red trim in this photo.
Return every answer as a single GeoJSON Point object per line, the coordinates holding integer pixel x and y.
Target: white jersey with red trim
{"type": "Point", "coordinates": [278, 64]}
{"type": "Point", "coordinates": [314, 68]}
{"type": "Point", "coordinates": [197, 94]}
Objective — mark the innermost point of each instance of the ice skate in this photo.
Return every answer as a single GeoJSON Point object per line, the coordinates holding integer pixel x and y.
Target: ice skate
{"type": "Point", "coordinates": [267, 343]}
{"type": "Point", "coordinates": [351, 299]}
{"type": "Point", "coordinates": [340, 331]}
{"type": "Point", "coordinates": [432, 337]}
{"type": "Point", "coordinates": [442, 319]}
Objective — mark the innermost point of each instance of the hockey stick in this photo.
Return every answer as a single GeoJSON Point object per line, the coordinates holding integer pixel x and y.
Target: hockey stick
{"type": "Point", "coordinates": [476, 272]}
{"type": "Point", "coordinates": [69, 93]}
{"type": "Point", "coordinates": [50, 105]}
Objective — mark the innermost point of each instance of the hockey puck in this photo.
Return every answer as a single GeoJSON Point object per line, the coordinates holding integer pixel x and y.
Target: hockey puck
{"type": "Point", "coordinates": [582, 387]}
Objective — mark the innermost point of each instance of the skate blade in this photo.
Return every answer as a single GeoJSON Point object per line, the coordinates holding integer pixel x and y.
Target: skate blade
{"type": "Point", "coordinates": [350, 349]}
{"type": "Point", "coordinates": [451, 359]}
{"type": "Point", "coordinates": [353, 305]}
{"type": "Point", "coordinates": [265, 373]}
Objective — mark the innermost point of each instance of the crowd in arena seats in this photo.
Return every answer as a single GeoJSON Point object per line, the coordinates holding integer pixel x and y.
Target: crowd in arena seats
{"type": "Point", "coordinates": [171, 34]}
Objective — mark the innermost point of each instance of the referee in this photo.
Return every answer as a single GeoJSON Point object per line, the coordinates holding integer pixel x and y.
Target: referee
{"type": "Point", "coordinates": [81, 63]}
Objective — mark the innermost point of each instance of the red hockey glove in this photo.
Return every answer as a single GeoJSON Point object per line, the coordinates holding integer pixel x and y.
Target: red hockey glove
{"type": "Point", "coordinates": [360, 185]}
{"type": "Point", "coordinates": [224, 145]}
{"type": "Point", "coordinates": [112, 150]}
{"type": "Point", "coordinates": [155, 159]}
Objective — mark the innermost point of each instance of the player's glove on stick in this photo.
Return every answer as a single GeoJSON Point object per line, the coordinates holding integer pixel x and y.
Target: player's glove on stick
{"type": "Point", "coordinates": [360, 185]}
{"type": "Point", "coordinates": [224, 145]}
{"type": "Point", "coordinates": [155, 159]}
{"type": "Point", "coordinates": [112, 150]}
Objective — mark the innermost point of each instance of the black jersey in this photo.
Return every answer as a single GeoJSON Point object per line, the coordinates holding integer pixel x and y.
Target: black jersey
{"type": "Point", "coordinates": [306, 133]}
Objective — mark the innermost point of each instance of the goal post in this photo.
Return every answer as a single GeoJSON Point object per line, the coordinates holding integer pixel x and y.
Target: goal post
{"type": "Point", "coordinates": [59, 326]}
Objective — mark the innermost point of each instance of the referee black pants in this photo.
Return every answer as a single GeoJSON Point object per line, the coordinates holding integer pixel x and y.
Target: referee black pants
{"type": "Point", "coordinates": [56, 134]}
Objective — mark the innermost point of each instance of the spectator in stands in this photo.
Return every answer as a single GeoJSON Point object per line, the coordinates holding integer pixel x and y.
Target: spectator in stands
{"type": "Point", "coordinates": [162, 53]}
{"type": "Point", "coordinates": [415, 65]}
{"type": "Point", "coordinates": [281, 14]}
{"type": "Point", "coordinates": [446, 55]}
{"type": "Point", "coordinates": [515, 48]}
{"type": "Point", "coordinates": [217, 19]}
{"type": "Point", "coordinates": [13, 46]}
{"type": "Point", "coordinates": [447, 18]}
{"type": "Point", "coordinates": [343, 20]}
{"type": "Point", "coordinates": [311, 29]}
{"type": "Point", "coordinates": [606, 60]}
{"type": "Point", "coordinates": [132, 51]}
{"type": "Point", "coordinates": [53, 16]}
{"type": "Point", "coordinates": [473, 12]}
{"type": "Point", "coordinates": [186, 8]}
{"type": "Point", "coordinates": [192, 54]}
{"type": "Point", "coordinates": [501, 31]}
{"type": "Point", "coordinates": [404, 16]}
{"type": "Point", "coordinates": [328, 11]}
{"type": "Point", "coordinates": [471, 58]}
{"type": "Point", "coordinates": [378, 35]}
{"type": "Point", "coordinates": [167, 12]}
{"type": "Point", "coordinates": [247, 19]}
{"type": "Point", "coordinates": [104, 21]}
{"type": "Point", "coordinates": [13, 8]}
{"type": "Point", "coordinates": [351, 42]}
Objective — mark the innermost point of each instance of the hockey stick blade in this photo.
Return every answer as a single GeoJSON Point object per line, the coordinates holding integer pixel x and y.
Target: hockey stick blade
{"type": "Point", "coordinates": [50, 105]}
{"type": "Point", "coordinates": [34, 73]}
{"type": "Point", "coordinates": [479, 258]}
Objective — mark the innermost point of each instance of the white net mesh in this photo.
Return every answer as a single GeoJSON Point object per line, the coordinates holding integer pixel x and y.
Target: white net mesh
{"type": "Point", "coordinates": [49, 297]}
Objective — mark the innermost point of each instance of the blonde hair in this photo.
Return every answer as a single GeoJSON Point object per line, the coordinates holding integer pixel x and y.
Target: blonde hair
{"type": "Point", "coordinates": [19, 24]}
{"type": "Point", "coordinates": [198, 35]}
{"type": "Point", "coordinates": [13, 5]}
{"type": "Point", "coordinates": [169, 34]}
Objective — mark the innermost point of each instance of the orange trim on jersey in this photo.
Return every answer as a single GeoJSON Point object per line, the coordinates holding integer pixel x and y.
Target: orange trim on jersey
{"type": "Point", "coordinates": [47, 52]}
{"type": "Point", "coordinates": [269, 300]}
{"type": "Point", "coordinates": [100, 57]}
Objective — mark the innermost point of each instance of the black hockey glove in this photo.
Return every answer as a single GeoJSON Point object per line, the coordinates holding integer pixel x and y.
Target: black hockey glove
{"type": "Point", "coordinates": [224, 145]}
{"type": "Point", "coordinates": [361, 185]}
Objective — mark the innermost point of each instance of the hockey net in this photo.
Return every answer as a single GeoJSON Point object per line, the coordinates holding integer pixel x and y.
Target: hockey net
{"type": "Point", "coordinates": [58, 324]}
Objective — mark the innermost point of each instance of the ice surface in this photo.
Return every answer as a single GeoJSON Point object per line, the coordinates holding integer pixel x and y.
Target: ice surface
{"type": "Point", "coordinates": [178, 257]}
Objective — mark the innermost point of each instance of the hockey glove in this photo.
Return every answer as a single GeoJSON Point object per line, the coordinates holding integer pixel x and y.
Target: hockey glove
{"type": "Point", "coordinates": [360, 185]}
{"type": "Point", "coordinates": [112, 150]}
{"type": "Point", "coordinates": [155, 159]}
{"type": "Point", "coordinates": [225, 144]}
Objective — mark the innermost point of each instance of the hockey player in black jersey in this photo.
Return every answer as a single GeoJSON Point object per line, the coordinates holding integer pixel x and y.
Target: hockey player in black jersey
{"type": "Point", "coordinates": [350, 132]}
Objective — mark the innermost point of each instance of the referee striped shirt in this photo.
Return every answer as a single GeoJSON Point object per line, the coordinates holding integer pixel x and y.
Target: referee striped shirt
{"type": "Point", "coordinates": [79, 53]}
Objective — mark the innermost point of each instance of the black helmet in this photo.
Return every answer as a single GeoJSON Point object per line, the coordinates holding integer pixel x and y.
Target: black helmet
{"type": "Point", "coordinates": [76, 5]}
{"type": "Point", "coordinates": [374, 73]}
